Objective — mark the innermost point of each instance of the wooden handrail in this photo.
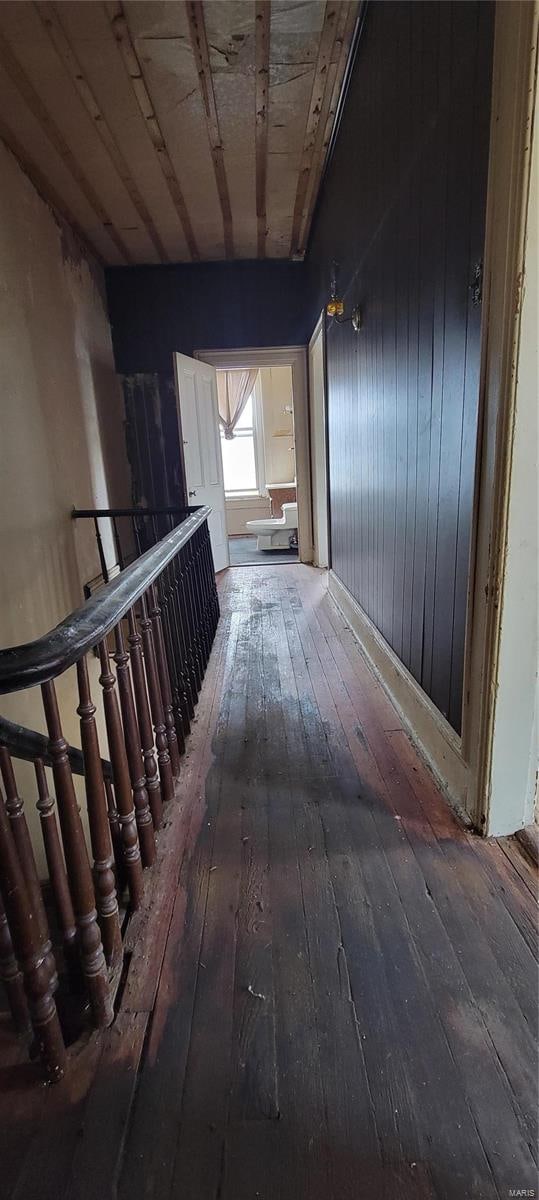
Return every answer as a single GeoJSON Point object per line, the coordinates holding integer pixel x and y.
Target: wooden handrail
{"type": "Point", "coordinates": [151, 672]}
{"type": "Point", "coordinates": [49, 656]}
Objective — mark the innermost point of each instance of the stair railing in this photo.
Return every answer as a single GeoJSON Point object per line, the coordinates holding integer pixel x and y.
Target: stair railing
{"type": "Point", "coordinates": [152, 628]}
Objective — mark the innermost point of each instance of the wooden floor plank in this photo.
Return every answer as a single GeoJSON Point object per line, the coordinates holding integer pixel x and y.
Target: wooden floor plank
{"type": "Point", "coordinates": [425, 1049]}
{"type": "Point", "coordinates": [501, 1124]}
{"type": "Point", "coordinates": [254, 1093]}
{"type": "Point", "coordinates": [355, 1151]}
{"type": "Point", "coordinates": [332, 996]}
{"type": "Point", "coordinates": [199, 1159]}
{"type": "Point", "coordinates": [153, 1134]}
{"type": "Point", "coordinates": [489, 918]}
{"type": "Point", "coordinates": [101, 1134]}
{"type": "Point", "coordinates": [301, 1098]}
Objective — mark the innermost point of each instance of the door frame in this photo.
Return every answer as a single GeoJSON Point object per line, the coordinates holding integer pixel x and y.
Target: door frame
{"type": "Point", "coordinates": [296, 358]}
{"type": "Point", "coordinates": [513, 93]}
{"type": "Point", "coordinates": [318, 414]}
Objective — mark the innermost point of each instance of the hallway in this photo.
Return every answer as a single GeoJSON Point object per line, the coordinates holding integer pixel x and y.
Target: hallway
{"type": "Point", "coordinates": [336, 1000]}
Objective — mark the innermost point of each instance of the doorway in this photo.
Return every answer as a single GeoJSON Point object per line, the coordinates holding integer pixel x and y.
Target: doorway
{"type": "Point", "coordinates": [259, 464]}
{"type": "Point", "coordinates": [264, 437]}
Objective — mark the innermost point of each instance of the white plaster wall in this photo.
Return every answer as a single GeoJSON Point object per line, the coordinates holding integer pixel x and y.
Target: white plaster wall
{"type": "Point", "coordinates": [277, 395]}
{"type": "Point", "coordinates": [62, 439]}
{"type": "Point", "coordinates": [514, 761]}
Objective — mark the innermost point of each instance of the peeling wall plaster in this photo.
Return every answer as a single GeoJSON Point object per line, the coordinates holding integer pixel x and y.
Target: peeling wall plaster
{"type": "Point", "coordinates": [62, 441]}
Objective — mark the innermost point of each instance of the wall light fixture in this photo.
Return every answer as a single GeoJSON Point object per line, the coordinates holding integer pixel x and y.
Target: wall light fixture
{"type": "Point", "coordinates": [335, 304]}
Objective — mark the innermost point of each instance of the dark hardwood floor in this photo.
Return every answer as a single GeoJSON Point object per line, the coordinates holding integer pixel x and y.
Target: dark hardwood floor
{"type": "Point", "coordinates": [332, 989]}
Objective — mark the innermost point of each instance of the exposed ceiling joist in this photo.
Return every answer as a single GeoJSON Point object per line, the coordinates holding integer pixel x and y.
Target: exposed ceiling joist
{"type": "Point", "coordinates": [262, 49]}
{"type": "Point", "coordinates": [51, 20]}
{"type": "Point", "coordinates": [343, 41]}
{"type": "Point", "coordinates": [173, 130]}
{"type": "Point", "coordinates": [318, 94]}
{"type": "Point", "coordinates": [135, 72]}
{"type": "Point", "coordinates": [199, 41]}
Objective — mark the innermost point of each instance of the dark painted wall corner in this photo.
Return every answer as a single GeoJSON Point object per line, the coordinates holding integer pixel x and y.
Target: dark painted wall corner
{"type": "Point", "coordinates": [157, 310]}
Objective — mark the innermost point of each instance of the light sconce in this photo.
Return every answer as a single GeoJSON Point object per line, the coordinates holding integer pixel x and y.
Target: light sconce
{"type": "Point", "coordinates": [335, 305]}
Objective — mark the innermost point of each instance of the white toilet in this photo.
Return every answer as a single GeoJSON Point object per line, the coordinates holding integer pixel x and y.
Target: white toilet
{"type": "Point", "coordinates": [276, 533]}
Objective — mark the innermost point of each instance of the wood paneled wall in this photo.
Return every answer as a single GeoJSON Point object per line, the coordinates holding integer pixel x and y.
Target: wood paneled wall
{"type": "Point", "coordinates": [402, 212]}
{"type": "Point", "coordinates": [157, 310]}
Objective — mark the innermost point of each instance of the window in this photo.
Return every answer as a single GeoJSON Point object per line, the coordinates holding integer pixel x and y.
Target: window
{"type": "Point", "coordinates": [240, 458]}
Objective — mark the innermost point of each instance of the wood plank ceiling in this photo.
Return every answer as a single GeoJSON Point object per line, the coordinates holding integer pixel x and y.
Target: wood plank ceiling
{"type": "Point", "coordinates": [176, 131]}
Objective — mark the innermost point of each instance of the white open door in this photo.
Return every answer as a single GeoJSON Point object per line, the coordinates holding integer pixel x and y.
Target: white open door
{"type": "Point", "coordinates": [196, 397]}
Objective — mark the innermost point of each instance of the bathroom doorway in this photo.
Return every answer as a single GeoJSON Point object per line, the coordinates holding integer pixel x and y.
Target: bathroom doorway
{"type": "Point", "coordinates": [263, 429]}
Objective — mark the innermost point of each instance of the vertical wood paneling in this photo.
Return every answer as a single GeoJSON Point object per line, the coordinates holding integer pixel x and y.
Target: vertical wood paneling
{"type": "Point", "coordinates": [402, 212]}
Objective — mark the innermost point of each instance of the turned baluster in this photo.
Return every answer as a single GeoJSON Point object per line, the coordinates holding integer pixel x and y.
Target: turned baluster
{"type": "Point", "coordinates": [179, 643]}
{"type": "Point", "coordinates": [210, 573]}
{"type": "Point", "coordinates": [176, 702]}
{"type": "Point", "coordinates": [198, 612]}
{"type": "Point", "coordinates": [164, 680]}
{"type": "Point", "coordinates": [183, 629]}
{"type": "Point", "coordinates": [57, 875]}
{"type": "Point", "coordinates": [104, 881]}
{"type": "Point", "coordinates": [133, 747]}
{"type": "Point", "coordinates": [188, 691]}
{"type": "Point", "coordinates": [156, 704]}
{"type": "Point", "coordinates": [153, 783]}
{"type": "Point", "coordinates": [120, 775]}
{"type": "Point", "coordinates": [115, 834]}
{"type": "Point", "coordinates": [192, 584]}
{"type": "Point", "coordinates": [21, 837]}
{"type": "Point", "coordinates": [27, 944]}
{"type": "Point", "coordinates": [202, 598]}
{"type": "Point", "coordinates": [77, 865]}
{"type": "Point", "coordinates": [182, 569]}
{"type": "Point", "coordinates": [202, 610]}
{"type": "Point", "coordinates": [12, 978]}
{"type": "Point", "coordinates": [210, 576]}
{"type": "Point", "coordinates": [180, 701]}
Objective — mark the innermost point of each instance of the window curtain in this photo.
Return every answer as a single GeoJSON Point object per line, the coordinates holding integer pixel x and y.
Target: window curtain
{"type": "Point", "coordinates": [233, 390]}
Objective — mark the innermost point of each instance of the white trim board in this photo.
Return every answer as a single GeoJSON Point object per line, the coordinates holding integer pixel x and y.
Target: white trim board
{"type": "Point", "coordinates": [434, 737]}
{"type": "Point", "coordinates": [513, 94]}
{"type": "Point", "coordinates": [319, 475]}
{"type": "Point", "coordinates": [296, 358]}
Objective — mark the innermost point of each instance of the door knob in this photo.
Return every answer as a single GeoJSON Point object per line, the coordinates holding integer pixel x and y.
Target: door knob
{"type": "Point", "coordinates": [191, 493]}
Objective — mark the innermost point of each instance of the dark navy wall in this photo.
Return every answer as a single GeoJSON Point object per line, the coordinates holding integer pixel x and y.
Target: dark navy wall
{"type": "Point", "coordinates": [157, 310]}
{"type": "Point", "coordinates": [403, 212]}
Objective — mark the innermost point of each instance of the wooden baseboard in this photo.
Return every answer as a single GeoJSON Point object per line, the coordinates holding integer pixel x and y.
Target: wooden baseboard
{"type": "Point", "coordinates": [434, 737]}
